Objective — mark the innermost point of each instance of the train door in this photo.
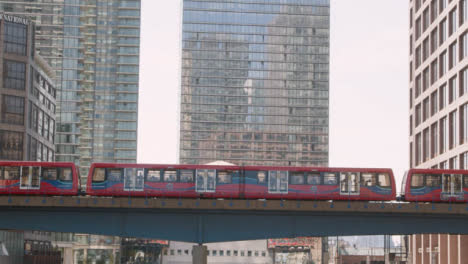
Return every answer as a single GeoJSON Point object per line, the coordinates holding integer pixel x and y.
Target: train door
{"type": "Point", "coordinates": [30, 178]}
{"type": "Point", "coordinates": [452, 185]}
{"type": "Point", "coordinates": [349, 183]}
{"type": "Point", "coordinates": [206, 181]}
{"type": "Point", "coordinates": [134, 179]}
{"type": "Point", "coordinates": [278, 182]}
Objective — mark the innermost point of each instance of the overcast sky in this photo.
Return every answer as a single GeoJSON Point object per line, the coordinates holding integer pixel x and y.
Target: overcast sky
{"type": "Point", "coordinates": [368, 83]}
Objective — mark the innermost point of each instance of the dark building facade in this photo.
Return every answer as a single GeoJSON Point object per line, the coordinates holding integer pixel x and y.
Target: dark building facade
{"type": "Point", "coordinates": [27, 95]}
{"type": "Point", "coordinates": [255, 82]}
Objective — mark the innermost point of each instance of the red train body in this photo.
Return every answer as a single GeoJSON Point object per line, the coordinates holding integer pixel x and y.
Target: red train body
{"type": "Point", "coordinates": [434, 185]}
{"type": "Point", "coordinates": [31, 178]}
{"type": "Point", "coordinates": [253, 182]}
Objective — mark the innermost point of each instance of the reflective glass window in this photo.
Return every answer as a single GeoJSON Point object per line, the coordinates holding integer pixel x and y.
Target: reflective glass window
{"type": "Point", "coordinates": [14, 75]}
{"type": "Point", "coordinates": [368, 179]}
{"type": "Point", "coordinates": [15, 38]}
{"type": "Point", "coordinates": [417, 180]}
{"type": "Point", "coordinates": [170, 175]}
{"type": "Point", "coordinates": [49, 174]}
{"type": "Point", "coordinates": [11, 173]}
{"type": "Point", "coordinates": [297, 178]}
{"type": "Point", "coordinates": [187, 175]}
{"type": "Point", "coordinates": [224, 177]}
{"type": "Point", "coordinates": [153, 175]}
{"type": "Point", "coordinates": [313, 178]}
{"type": "Point", "coordinates": [65, 174]}
{"type": "Point", "coordinates": [383, 179]}
{"type": "Point", "coordinates": [329, 178]}
{"type": "Point", "coordinates": [99, 174]}
{"type": "Point", "coordinates": [433, 180]}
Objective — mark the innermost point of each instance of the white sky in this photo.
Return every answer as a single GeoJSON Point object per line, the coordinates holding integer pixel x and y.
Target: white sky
{"type": "Point", "coordinates": [368, 83]}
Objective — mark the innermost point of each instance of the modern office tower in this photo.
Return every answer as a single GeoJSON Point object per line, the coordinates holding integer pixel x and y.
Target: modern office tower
{"type": "Point", "coordinates": [438, 106]}
{"type": "Point", "coordinates": [438, 84]}
{"type": "Point", "coordinates": [27, 95]}
{"type": "Point", "coordinates": [255, 82]}
{"type": "Point", "coordinates": [93, 46]}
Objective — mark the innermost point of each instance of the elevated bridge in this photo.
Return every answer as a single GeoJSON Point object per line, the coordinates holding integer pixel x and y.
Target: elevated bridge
{"type": "Point", "coordinates": [211, 220]}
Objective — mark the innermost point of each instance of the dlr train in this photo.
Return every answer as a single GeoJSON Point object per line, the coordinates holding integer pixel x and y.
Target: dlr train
{"type": "Point", "coordinates": [234, 182]}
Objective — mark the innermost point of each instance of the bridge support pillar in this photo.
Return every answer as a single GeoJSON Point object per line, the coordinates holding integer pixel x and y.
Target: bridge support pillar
{"type": "Point", "coordinates": [200, 254]}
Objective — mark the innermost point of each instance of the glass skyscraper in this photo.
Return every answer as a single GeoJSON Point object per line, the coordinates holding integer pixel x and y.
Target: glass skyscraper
{"type": "Point", "coordinates": [93, 46]}
{"type": "Point", "coordinates": [255, 82]}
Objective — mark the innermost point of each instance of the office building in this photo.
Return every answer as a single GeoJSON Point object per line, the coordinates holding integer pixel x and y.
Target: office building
{"type": "Point", "coordinates": [439, 109]}
{"type": "Point", "coordinates": [93, 47]}
{"type": "Point", "coordinates": [254, 88]}
{"type": "Point", "coordinates": [27, 95]}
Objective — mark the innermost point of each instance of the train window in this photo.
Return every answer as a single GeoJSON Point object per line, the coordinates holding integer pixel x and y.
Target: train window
{"type": "Point", "coordinates": [261, 176]}
{"type": "Point", "coordinates": [11, 173]}
{"type": "Point", "coordinates": [49, 174]}
{"type": "Point", "coordinates": [186, 175]}
{"type": "Point", "coordinates": [99, 174]}
{"type": "Point", "coordinates": [433, 180]}
{"type": "Point", "coordinates": [224, 177]}
{"type": "Point", "coordinates": [170, 175]}
{"type": "Point", "coordinates": [313, 178]}
{"type": "Point", "coordinates": [153, 175]}
{"type": "Point", "coordinates": [1, 173]}
{"type": "Point", "coordinates": [465, 181]}
{"type": "Point", "coordinates": [65, 174]}
{"type": "Point", "coordinates": [329, 178]}
{"type": "Point", "coordinates": [297, 178]}
{"type": "Point", "coordinates": [368, 179]}
{"type": "Point", "coordinates": [417, 180]}
{"type": "Point", "coordinates": [383, 180]}
{"type": "Point", "coordinates": [114, 175]}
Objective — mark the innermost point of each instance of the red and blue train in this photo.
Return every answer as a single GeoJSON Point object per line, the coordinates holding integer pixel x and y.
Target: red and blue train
{"type": "Point", "coordinates": [237, 182]}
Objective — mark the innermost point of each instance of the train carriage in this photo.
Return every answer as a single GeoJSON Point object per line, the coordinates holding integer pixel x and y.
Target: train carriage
{"type": "Point", "coordinates": [319, 183]}
{"type": "Point", "coordinates": [32, 178]}
{"type": "Point", "coordinates": [435, 185]}
{"type": "Point", "coordinates": [111, 179]}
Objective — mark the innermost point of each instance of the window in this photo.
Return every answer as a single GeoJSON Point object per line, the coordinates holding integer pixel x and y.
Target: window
{"type": "Point", "coordinates": [418, 28]}
{"type": "Point", "coordinates": [297, 178]}
{"type": "Point", "coordinates": [425, 111]}
{"type": "Point", "coordinates": [221, 253]}
{"type": "Point", "coordinates": [11, 173]}
{"type": "Point", "coordinates": [453, 129]}
{"type": "Point", "coordinates": [263, 254]}
{"type": "Point", "coordinates": [225, 177]}
{"type": "Point", "coordinates": [453, 21]}
{"type": "Point", "coordinates": [463, 11]}
{"type": "Point", "coordinates": [434, 38]}
{"type": "Point", "coordinates": [383, 179]}
{"type": "Point", "coordinates": [249, 253]}
{"type": "Point", "coordinates": [463, 81]}
{"type": "Point", "coordinates": [425, 146]}
{"type": "Point", "coordinates": [187, 175]}
{"type": "Point", "coordinates": [425, 49]}
{"type": "Point", "coordinates": [434, 103]}
{"type": "Point", "coordinates": [426, 79]}
{"type": "Point", "coordinates": [418, 156]}
{"type": "Point", "coordinates": [434, 10]}
{"type": "Point", "coordinates": [418, 57]}
{"type": "Point", "coordinates": [368, 179]}
{"type": "Point", "coordinates": [228, 253]}
{"type": "Point", "coordinates": [453, 55]}
{"type": "Point", "coordinates": [442, 31]}
{"type": "Point", "coordinates": [99, 175]}
{"type": "Point", "coordinates": [418, 86]}
{"type": "Point", "coordinates": [179, 252]}
{"type": "Point", "coordinates": [452, 89]}
{"type": "Point", "coordinates": [433, 180]}
{"type": "Point", "coordinates": [425, 22]}
{"type": "Point", "coordinates": [153, 175]}
{"type": "Point", "coordinates": [434, 136]}
{"type": "Point", "coordinates": [13, 110]}
{"type": "Point", "coordinates": [114, 175]}
{"type": "Point", "coordinates": [11, 145]}
{"type": "Point", "coordinates": [261, 177]}
{"type": "Point", "coordinates": [170, 175]}
{"type": "Point", "coordinates": [49, 174]}
{"type": "Point", "coordinates": [465, 181]}
{"type": "Point", "coordinates": [443, 61]}
{"type": "Point", "coordinates": [65, 174]}
{"type": "Point", "coordinates": [235, 253]}
{"type": "Point", "coordinates": [15, 38]}
{"type": "Point", "coordinates": [214, 253]}
{"type": "Point", "coordinates": [417, 180]}
{"type": "Point", "coordinates": [313, 178]}
{"type": "Point", "coordinates": [329, 178]}
{"type": "Point", "coordinates": [256, 253]}
{"type": "Point", "coordinates": [417, 118]}
{"type": "Point", "coordinates": [434, 71]}
{"type": "Point", "coordinates": [443, 98]}
{"type": "Point", "coordinates": [14, 74]}
{"type": "Point", "coordinates": [442, 5]}
{"type": "Point", "coordinates": [443, 126]}
{"type": "Point", "coordinates": [464, 123]}
{"type": "Point", "coordinates": [463, 45]}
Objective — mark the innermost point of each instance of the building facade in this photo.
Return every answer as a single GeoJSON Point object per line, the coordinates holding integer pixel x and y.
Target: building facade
{"type": "Point", "coordinates": [27, 95]}
{"type": "Point", "coordinates": [254, 88]}
{"type": "Point", "coordinates": [438, 107]}
{"type": "Point", "coordinates": [93, 47]}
